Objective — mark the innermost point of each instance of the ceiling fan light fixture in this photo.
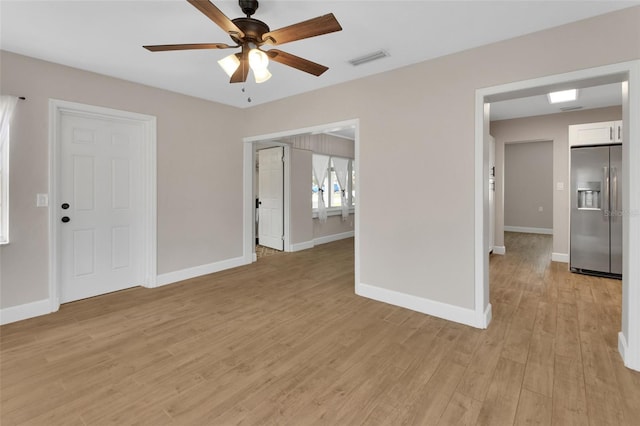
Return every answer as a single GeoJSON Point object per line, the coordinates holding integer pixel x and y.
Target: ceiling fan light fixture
{"type": "Point", "coordinates": [258, 60]}
{"type": "Point", "coordinates": [229, 64]}
{"type": "Point", "coordinates": [261, 75]}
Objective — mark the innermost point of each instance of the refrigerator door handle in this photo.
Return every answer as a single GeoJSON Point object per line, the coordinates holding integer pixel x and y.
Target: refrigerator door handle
{"type": "Point", "coordinates": [614, 190]}
{"type": "Point", "coordinates": [605, 200]}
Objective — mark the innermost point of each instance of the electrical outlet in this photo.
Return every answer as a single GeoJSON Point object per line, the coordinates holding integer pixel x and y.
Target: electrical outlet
{"type": "Point", "coordinates": [560, 186]}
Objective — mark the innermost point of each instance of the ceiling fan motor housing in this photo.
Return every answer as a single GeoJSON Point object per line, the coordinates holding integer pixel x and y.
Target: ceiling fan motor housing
{"type": "Point", "coordinates": [253, 30]}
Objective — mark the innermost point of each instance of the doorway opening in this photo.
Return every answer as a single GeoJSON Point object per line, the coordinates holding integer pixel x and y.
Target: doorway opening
{"type": "Point", "coordinates": [303, 226]}
{"type": "Point", "coordinates": [628, 74]}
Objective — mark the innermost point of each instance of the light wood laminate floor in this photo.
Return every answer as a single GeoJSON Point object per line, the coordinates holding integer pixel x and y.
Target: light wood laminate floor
{"type": "Point", "coordinates": [286, 341]}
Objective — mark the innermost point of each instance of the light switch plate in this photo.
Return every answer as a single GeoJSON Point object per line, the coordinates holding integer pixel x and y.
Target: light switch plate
{"type": "Point", "coordinates": [560, 186]}
{"type": "Point", "coordinates": [42, 200]}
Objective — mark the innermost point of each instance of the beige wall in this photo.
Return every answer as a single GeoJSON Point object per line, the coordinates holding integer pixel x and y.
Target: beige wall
{"type": "Point", "coordinates": [528, 185]}
{"type": "Point", "coordinates": [416, 129]}
{"type": "Point", "coordinates": [301, 211]}
{"type": "Point", "coordinates": [199, 154]}
{"type": "Point", "coordinates": [552, 127]}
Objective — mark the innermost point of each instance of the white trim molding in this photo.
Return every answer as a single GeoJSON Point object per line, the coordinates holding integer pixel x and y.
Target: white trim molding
{"type": "Point", "coordinates": [321, 240]}
{"type": "Point", "coordinates": [302, 246]}
{"type": "Point", "coordinates": [501, 250]}
{"type": "Point", "coordinates": [331, 238]}
{"type": "Point", "coordinates": [26, 311]}
{"type": "Point", "coordinates": [560, 257]}
{"type": "Point", "coordinates": [198, 271]}
{"type": "Point", "coordinates": [426, 306]}
{"type": "Point", "coordinates": [529, 230]}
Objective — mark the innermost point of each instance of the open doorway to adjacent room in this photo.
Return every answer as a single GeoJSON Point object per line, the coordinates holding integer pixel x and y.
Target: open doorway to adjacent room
{"type": "Point", "coordinates": [529, 267]}
{"type": "Point", "coordinates": [303, 189]}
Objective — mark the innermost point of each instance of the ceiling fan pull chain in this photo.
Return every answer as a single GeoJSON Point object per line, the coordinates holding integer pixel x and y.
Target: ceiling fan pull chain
{"type": "Point", "coordinates": [248, 97]}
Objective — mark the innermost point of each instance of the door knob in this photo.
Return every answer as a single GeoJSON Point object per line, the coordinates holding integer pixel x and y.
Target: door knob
{"type": "Point", "coordinates": [65, 206]}
{"type": "Point", "coordinates": [65, 219]}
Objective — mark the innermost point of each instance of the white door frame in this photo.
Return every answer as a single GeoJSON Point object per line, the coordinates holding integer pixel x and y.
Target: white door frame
{"type": "Point", "coordinates": [248, 245]}
{"type": "Point", "coordinates": [629, 337]}
{"type": "Point", "coordinates": [148, 188]}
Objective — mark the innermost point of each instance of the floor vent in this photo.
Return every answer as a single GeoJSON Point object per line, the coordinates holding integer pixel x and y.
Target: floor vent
{"type": "Point", "coordinates": [379, 54]}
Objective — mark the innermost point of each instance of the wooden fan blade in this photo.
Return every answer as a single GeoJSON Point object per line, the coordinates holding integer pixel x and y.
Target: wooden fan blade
{"type": "Point", "coordinates": [296, 62]}
{"type": "Point", "coordinates": [313, 27]}
{"type": "Point", "coordinates": [240, 76]}
{"type": "Point", "coordinates": [164, 47]}
{"type": "Point", "coordinates": [216, 15]}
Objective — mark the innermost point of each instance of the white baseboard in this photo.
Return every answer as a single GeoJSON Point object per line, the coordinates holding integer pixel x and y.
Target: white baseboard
{"type": "Point", "coordinates": [321, 240]}
{"type": "Point", "coordinates": [302, 246]}
{"type": "Point", "coordinates": [21, 312]}
{"type": "Point", "coordinates": [196, 271]}
{"type": "Point", "coordinates": [527, 230]}
{"type": "Point", "coordinates": [331, 238]}
{"type": "Point", "coordinates": [622, 346]}
{"type": "Point", "coordinates": [560, 257]}
{"type": "Point", "coordinates": [626, 355]}
{"type": "Point", "coordinates": [499, 250]}
{"type": "Point", "coordinates": [426, 306]}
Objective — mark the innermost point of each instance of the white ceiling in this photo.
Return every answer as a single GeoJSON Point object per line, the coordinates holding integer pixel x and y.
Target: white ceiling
{"type": "Point", "coordinates": [588, 98]}
{"type": "Point", "coordinates": [107, 37]}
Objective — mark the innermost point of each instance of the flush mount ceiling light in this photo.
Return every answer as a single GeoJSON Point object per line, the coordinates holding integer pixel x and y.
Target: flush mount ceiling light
{"type": "Point", "coordinates": [250, 35]}
{"type": "Point", "coordinates": [563, 96]}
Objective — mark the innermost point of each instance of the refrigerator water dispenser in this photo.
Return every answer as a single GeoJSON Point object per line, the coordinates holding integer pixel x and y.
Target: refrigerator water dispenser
{"type": "Point", "coordinates": [589, 196]}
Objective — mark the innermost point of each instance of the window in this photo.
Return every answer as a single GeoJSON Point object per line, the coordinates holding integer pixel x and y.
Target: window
{"type": "Point", "coordinates": [7, 105]}
{"type": "Point", "coordinates": [4, 192]}
{"type": "Point", "coordinates": [333, 198]}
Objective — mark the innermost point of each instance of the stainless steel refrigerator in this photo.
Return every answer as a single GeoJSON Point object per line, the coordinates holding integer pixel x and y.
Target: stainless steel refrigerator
{"type": "Point", "coordinates": [596, 210]}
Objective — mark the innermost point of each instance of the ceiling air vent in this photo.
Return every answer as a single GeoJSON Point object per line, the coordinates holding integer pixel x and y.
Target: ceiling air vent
{"type": "Point", "coordinates": [572, 108]}
{"type": "Point", "coordinates": [379, 54]}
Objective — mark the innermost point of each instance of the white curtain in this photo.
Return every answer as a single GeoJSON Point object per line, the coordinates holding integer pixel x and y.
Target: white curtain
{"type": "Point", "coordinates": [341, 166]}
{"type": "Point", "coordinates": [7, 105]}
{"type": "Point", "coordinates": [320, 169]}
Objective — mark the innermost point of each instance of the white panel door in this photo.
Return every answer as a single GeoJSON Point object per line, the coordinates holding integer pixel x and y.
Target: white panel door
{"type": "Point", "coordinates": [271, 197]}
{"type": "Point", "coordinates": [100, 206]}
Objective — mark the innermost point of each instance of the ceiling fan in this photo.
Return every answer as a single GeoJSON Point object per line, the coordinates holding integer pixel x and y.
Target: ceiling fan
{"type": "Point", "coordinates": [251, 35]}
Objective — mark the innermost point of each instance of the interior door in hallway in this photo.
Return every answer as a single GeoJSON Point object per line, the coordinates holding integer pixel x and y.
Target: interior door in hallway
{"type": "Point", "coordinates": [100, 206]}
{"type": "Point", "coordinates": [271, 197]}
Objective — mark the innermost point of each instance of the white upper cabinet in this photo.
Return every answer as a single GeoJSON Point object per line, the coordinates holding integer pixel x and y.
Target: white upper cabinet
{"type": "Point", "coordinates": [602, 133]}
